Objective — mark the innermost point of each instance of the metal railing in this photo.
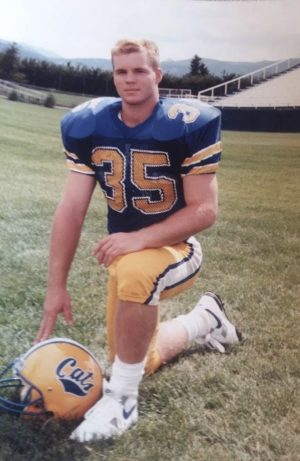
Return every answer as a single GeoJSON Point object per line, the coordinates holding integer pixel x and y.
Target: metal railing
{"type": "Point", "coordinates": [24, 94]}
{"type": "Point", "coordinates": [175, 92]}
{"type": "Point", "coordinates": [224, 89]}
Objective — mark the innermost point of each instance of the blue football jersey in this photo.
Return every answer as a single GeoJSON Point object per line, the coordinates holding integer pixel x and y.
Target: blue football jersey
{"type": "Point", "coordinates": [140, 169]}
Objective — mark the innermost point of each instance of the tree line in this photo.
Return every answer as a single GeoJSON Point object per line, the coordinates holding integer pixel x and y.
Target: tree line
{"type": "Point", "coordinates": [93, 81]}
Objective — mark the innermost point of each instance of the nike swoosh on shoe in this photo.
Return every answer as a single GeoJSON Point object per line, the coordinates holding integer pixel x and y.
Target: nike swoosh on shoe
{"type": "Point", "coordinates": [219, 323]}
{"type": "Point", "coordinates": [127, 414]}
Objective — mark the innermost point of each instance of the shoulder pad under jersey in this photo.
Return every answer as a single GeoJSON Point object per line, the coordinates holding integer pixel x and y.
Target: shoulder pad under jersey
{"type": "Point", "coordinates": [80, 122]}
{"type": "Point", "coordinates": [179, 117]}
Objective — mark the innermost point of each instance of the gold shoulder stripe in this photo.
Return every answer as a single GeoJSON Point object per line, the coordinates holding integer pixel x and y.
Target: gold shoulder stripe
{"type": "Point", "coordinates": [79, 167]}
{"type": "Point", "coordinates": [71, 155]}
{"type": "Point", "coordinates": [212, 168]}
{"type": "Point", "coordinates": [202, 154]}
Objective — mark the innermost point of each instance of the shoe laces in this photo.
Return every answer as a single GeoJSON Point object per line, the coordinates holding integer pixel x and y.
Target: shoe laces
{"type": "Point", "coordinates": [211, 343]}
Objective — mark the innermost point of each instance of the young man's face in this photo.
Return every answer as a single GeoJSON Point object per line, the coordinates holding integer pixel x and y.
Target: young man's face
{"type": "Point", "coordinates": [135, 79]}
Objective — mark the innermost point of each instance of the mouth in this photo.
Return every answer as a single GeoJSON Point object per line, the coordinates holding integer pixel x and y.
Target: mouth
{"type": "Point", "coordinates": [131, 90]}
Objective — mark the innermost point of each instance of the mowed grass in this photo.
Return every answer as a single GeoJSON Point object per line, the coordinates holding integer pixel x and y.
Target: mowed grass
{"type": "Point", "coordinates": [241, 406]}
{"type": "Point", "coordinates": [69, 99]}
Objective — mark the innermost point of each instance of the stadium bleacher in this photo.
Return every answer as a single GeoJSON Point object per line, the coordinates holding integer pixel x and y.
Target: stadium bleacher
{"type": "Point", "coordinates": [264, 100]}
{"type": "Point", "coordinates": [280, 91]}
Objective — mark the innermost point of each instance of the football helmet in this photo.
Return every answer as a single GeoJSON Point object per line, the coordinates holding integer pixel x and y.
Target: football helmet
{"type": "Point", "coordinates": [57, 377]}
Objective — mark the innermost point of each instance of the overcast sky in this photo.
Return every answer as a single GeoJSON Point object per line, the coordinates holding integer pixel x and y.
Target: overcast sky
{"type": "Point", "coordinates": [228, 30]}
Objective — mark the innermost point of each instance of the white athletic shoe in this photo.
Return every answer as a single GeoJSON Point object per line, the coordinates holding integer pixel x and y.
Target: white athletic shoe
{"type": "Point", "coordinates": [108, 418]}
{"type": "Point", "coordinates": [224, 332]}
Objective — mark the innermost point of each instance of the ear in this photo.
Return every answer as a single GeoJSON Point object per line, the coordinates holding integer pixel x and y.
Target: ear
{"type": "Point", "coordinates": [159, 75]}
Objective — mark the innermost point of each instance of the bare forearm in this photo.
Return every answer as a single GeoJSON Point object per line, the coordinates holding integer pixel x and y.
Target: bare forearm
{"type": "Point", "coordinates": [178, 227]}
{"type": "Point", "coordinates": [174, 229]}
{"type": "Point", "coordinates": [65, 236]}
{"type": "Point", "coordinates": [200, 212]}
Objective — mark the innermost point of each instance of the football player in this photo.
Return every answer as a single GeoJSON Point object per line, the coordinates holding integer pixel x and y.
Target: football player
{"type": "Point", "coordinates": [155, 161]}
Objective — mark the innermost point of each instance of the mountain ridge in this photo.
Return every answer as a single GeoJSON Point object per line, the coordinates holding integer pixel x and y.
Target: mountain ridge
{"type": "Point", "coordinates": [174, 67]}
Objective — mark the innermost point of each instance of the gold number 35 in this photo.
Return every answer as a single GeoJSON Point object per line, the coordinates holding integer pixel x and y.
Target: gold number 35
{"type": "Point", "coordinates": [142, 175]}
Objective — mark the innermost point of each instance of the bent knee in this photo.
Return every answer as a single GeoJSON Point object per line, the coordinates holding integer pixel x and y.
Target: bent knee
{"type": "Point", "coordinates": [134, 280]}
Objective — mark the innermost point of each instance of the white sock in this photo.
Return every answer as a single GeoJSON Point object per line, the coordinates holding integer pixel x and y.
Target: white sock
{"type": "Point", "coordinates": [126, 377]}
{"type": "Point", "coordinates": [198, 322]}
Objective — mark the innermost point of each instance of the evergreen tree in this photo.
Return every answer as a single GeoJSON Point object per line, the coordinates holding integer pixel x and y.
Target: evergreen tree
{"type": "Point", "coordinates": [9, 62]}
{"type": "Point", "coordinates": [197, 67]}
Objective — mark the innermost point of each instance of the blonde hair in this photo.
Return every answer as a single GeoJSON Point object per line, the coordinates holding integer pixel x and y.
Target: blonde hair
{"type": "Point", "coordinates": [126, 46]}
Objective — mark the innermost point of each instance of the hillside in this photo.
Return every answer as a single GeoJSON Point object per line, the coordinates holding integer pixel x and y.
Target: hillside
{"type": "Point", "coordinates": [179, 67]}
{"type": "Point", "coordinates": [174, 67]}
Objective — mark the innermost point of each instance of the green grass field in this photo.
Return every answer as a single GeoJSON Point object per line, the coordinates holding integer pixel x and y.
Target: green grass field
{"type": "Point", "coordinates": [241, 406]}
{"type": "Point", "coordinates": [69, 99]}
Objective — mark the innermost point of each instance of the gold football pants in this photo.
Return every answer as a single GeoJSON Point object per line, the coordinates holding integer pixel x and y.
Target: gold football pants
{"type": "Point", "coordinates": [146, 277]}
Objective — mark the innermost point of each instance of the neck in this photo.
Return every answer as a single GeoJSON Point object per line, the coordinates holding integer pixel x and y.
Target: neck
{"type": "Point", "coordinates": [135, 114]}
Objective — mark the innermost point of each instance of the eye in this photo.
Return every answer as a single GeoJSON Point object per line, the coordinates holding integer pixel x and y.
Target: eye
{"type": "Point", "coordinates": [120, 72]}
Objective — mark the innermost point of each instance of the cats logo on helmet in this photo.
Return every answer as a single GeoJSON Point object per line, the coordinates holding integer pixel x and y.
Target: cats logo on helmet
{"type": "Point", "coordinates": [57, 377]}
{"type": "Point", "coordinates": [74, 379]}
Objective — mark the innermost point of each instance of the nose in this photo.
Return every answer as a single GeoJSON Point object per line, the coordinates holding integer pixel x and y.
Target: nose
{"type": "Point", "coordinates": [130, 77]}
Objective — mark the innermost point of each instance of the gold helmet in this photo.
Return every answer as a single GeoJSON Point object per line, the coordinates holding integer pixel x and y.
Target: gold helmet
{"type": "Point", "coordinates": [57, 377]}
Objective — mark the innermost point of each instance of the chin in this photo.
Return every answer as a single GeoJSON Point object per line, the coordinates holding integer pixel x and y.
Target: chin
{"type": "Point", "coordinates": [133, 100]}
